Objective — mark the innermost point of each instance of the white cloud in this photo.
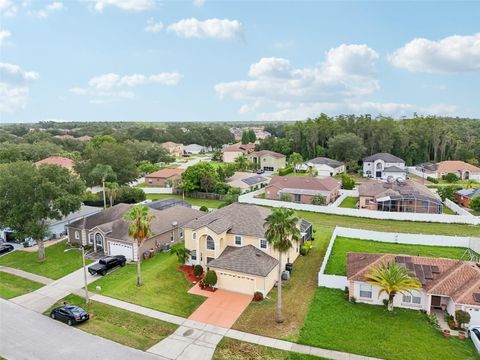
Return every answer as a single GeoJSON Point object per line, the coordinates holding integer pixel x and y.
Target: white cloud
{"type": "Point", "coordinates": [198, 3]}
{"type": "Point", "coordinates": [153, 26]}
{"type": "Point", "coordinates": [7, 8]}
{"type": "Point", "coordinates": [4, 36]}
{"type": "Point", "coordinates": [14, 87]}
{"type": "Point", "coordinates": [129, 5]}
{"type": "Point", "coordinates": [47, 10]}
{"type": "Point", "coordinates": [55, 6]}
{"type": "Point", "coordinates": [222, 29]}
{"type": "Point", "coordinates": [110, 87]}
{"type": "Point", "coordinates": [452, 54]}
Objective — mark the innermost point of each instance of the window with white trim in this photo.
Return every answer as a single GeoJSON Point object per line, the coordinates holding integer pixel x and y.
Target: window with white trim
{"type": "Point", "coordinates": [194, 236]}
{"type": "Point", "coordinates": [193, 254]}
{"type": "Point", "coordinates": [238, 240]}
{"type": "Point", "coordinates": [77, 235]}
{"type": "Point", "coordinates": [263, 244]}
{"type": "Point", "coordinates": [366, 291]}
{"type": "Point", "coordinates": [210, 243]}
{"type": "Point", "coordinates": [90, 239]}
{"type": "Point", "coordinates": [180, 232]}
{"type": "Point", "coordinates": [413, 298]}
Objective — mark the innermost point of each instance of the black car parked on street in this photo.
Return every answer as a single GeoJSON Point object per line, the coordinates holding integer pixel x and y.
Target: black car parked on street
{"type": "Point", "coordinates": [69, 314]}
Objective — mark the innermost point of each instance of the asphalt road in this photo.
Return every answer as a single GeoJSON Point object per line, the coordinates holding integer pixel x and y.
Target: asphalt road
{"type": "Point", "coordinates": [25, 335]}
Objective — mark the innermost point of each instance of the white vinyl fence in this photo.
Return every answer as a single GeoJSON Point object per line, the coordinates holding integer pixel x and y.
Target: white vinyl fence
{"type": "Point", "coordinates": [157, 190]}
{"type": "Point", "coordinates": [339, 282]}
{"type": "Point", "coordinates": [250, 198]}
{"type": "Point", "coordinates": [458, 210]}
{"type": "Point", "coordinates": [343, 195]}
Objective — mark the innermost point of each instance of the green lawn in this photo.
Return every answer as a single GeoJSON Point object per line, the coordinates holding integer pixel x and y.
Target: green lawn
{"type": "Point", "coordinates": [338, 258]}
{"type": "Point", "coordinates": [349, 202]}
{"type": "Point", "coordinates": [12, 286]}
{"type": "Point", "coordinates": [164, 287]}
{"type": "Point", "coordinates": [56, 264]}
{"type": "Point", "coordinates": [231, 349]}
{"type": "Point", "coordinates": [448, 211]}
{"type": "Point", "coordinates": [196, 202]}
{"type": "Point", "coordinates": [370, 330]}
{"type": "Point", "coordinates": [125, 327]}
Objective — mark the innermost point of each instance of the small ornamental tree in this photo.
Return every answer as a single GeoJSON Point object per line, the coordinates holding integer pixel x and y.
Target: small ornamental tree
{"type": "Point", "coordinates": [451, 178]}
{"type": "Point", "coordinates": [210, 278]}
{"type": "Point", "coordinates": [181, 252]}
{"type": "Point", "coordinates": [198, 270]}
{"type": "Point", "coordinates": [447, 192]}
{"type": "Point", "coordinates": [318, 200]}
{"type": "Point", "coordinates": [347, 182]}
{"type": "Point", "coordinates": [462, 317]}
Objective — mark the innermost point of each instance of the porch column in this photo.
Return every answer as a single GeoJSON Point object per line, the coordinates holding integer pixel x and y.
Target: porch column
{"type": "Point", "coordinates": [429, 304]}
{"type": "Point", "coordinates": [197, 245]}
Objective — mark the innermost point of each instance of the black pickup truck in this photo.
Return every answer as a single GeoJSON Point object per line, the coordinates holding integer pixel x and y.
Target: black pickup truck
{"type": "Point", "coordinates": [107, 263]}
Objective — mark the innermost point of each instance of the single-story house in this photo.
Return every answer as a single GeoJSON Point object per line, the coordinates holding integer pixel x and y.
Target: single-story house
{"type": "Point", "coordinates": [57, 160]}
{"type": "Point", "coordinates": [460, 168]}
{"type": "Point", "coordinates": [107, 232]}
{"type": "Point", "coordinates": [232, 242]}
{"type": "Point", "coordinates": [193, 149]}
{"type": "Point", "coordinates": [232, 152]}
{"type": "Point", "coordinates": [325, 166]}
{"type": "Point", "coordinates": [398, 196]}
{"type": "Point", "coordinates": [268, 160]}
{"type": "Point", "coordinates": [165, 177]}
{"type": "Point", "coordinates": [384, 166]}
{"type": "Point", "coordinates": [303, 189]}
{"type": "Point", "coordinates": [463, 197]}
{"type": "Point", "coordinates": [173, 149]}
{"type": "Point", "coordinates": [247, 181]}
{"type": "Point", "coordinates": [447, 285]}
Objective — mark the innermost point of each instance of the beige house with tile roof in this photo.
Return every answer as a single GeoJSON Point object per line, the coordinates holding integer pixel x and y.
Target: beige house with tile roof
{"type": "Point", "coordinates": [232, 152]}
{"type": "Point", "coordinates": [173, 149]}
{"type": "Point", "coordinates": [232, 242]}
{"type": "Point", "coordinates": [447, 284]}
{"type": "Point", "coordinates": [268, 160]}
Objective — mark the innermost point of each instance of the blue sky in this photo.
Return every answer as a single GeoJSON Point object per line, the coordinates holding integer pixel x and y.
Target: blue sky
{"type": "Point", "coordinates": [145, 60]}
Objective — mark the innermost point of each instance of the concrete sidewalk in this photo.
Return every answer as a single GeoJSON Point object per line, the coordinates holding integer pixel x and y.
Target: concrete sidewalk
{"type": "Point", "coordinates": [34, 277]}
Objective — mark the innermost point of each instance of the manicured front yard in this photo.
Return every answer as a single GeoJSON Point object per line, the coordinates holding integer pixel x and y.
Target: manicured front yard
{"type": "Point", "coordinates": [12, 286]}
{"type": "Point", "coordinates": [349, 202]}
{"type": "Point", "coordinates": [338, 258]}
{"type": "Point", "coordinates": [196, 202]}
{"type": "Point", "coordinates": [57, 263]}
{"type": "Point", "coordinates": [337, 324]}
{"type": "Point", "coordinates": [259, 318]}
{"type": "Point", "coordinates": [125, 327]}
{"type": "Point", "coordinates": [228, 349]}
{"type": "Point", "coordinates": [164, 287]}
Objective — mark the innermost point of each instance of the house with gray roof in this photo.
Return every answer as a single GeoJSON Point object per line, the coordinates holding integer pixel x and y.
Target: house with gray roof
{"type": "Point", "coordinates": [107, 231]}
{"type": "Point", "coordinates": [325, 166]}
{"type": "Point", "coordinates": [384, 166]}
{"type": "Point", "coordinates": [232, 242]}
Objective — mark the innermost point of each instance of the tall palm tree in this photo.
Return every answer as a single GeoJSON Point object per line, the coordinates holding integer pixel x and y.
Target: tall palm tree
{"type": "Point", "coordinates": [112, 190]}
{"type": "Point", "coordinates": [140, 230]}
{"type": "Point", "coordinates": [102, 173]}
{"type": "Point", "coordinates": [392, 279]}
{"type": "Point", "coordinates": [281, 231]}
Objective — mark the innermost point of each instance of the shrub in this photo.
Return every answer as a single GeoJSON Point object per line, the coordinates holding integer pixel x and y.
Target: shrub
{"type": "Point", "coordinates": [198, 270]}
{"type": "Point", "coordinates": [475, 203]}
{"type": "Point", "coordinates": [210, 278]}
{"type": "Point", "coordinates": [448, 192]}
{"type": "Point", "coordinates": [385, 302]}
{"type": "Point", "coordinates": [130, 195]}
{"type": "Point", "coordinates": [258, 296]}
{"type": "Point", "coordinates": [318, 200]}
{"type": "Point", "coordinates": [285, 197]}
{"type": "Point", "coordinates": [433, 320]}
{"type": "Point", "coordinates": [304, 250]}
{"type": "Point", "coordinates": [346, 293]}
{"type": "Point", "coordinates": [203, 208]}
{"type": "Point", "coordinates": [347, 182]}
{"type": "Point", "coordinates": [451, 178]}
{"type": "Point", "coordinates": [432, 180]}
{"type": "Point", "coordinates": [462, 317]}
{"type": "Point", "coordinates": [353, 299]}
{"type": "Point", "coordinates": [285, 171]}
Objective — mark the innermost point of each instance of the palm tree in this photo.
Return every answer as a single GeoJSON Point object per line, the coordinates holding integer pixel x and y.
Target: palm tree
{"type": "Point", "coordinates": [140, 230]}
{"type": "Point", "coordinates": [392, 279]}
{"type": "Point", "coordinates": [295, 159]}
{"type": "Point", "coordinates": [103, 173]}
{"type": "Point", "coordinates": [112, 189]}
{"type": "Point", "coordinates": [242, 162]}
{"type": "Point", "coordinates": [181, 252]}
{"type": "Point", "coordinates": [281, 231]}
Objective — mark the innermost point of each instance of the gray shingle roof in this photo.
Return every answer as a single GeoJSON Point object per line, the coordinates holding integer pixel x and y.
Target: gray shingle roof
{"type": "Point", "coordinates": [304, 225]}
{"type": "Point", "coordinates": [103, 217]}
{"type": "Point", "coordinates": [240, 219]}
{"type": "Point", "coordinates": [385, 157]}
{"type": "Point", "coordinates": [470, 193]}
{"type": "Point", "coordinates": [325, 161]}
{"type": "Point", "coordinates": [246, 259]}
{"type": "Point", "coordinates": [394, 169]}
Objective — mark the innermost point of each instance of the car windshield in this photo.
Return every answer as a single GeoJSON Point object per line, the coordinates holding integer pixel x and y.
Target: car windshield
{"type": "Point", "coordinates": [477, 333]}
{"type": "Point", "coordinates": [75, 310]}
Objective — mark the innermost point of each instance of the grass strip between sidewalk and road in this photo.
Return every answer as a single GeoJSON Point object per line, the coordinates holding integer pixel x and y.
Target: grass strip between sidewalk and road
{"type": "Point", "coordinates": [12, 285]}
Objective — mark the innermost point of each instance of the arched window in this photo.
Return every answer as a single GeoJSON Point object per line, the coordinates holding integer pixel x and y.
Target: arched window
{"type": "Point", "coordinates": [99, 239]}
{"type": "Point", "coordinates": [210, 243]}
{"type": "Point", "coordinates": [379, 166]}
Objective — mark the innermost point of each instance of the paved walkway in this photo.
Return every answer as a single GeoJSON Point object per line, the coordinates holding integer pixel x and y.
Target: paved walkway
{"type": "Point", "coordinates": [34, 277]}
{"type": "Point", "coordinates": [222, 308]}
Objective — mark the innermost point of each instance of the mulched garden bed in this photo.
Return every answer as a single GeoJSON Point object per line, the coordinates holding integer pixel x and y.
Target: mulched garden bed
{"type": "Point", "coordinates": [188, 271]}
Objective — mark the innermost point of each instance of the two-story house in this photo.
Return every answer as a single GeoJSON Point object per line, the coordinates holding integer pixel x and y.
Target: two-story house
{"type": "Point", "coordinates": [384, 166]}
{"type": "Point", "coordinates": [232, 242]}
{"type": "Point", "coordinates": [268, 160]}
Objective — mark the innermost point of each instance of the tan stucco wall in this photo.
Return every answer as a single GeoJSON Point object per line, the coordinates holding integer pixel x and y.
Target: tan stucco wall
{"type": "Point", "coordinates": [230, 280]}
{"type": "Point", "coordinates": [230, 156]}
{"type": "Point", "coordinates": [270, 161]}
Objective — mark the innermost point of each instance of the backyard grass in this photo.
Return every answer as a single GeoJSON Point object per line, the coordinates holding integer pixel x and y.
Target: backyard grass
{"type": "Point", "coordinates": [164, 287]}
{"type": "Point", "coordinates": [370, 330]}
{"type": "Point", "coordinates": [259, 318]}
{"type": "Point", "coordinates": [231, 349]}
{"type": "Point", "coordinates": [57, 263]}
{"type": "Point", "coordinates": [196, 202]}
{"type": "Point", "coordinates": [12, 286]}
{"type": "Point", "coordinates": [338, 258]}
{"type": "Point", "coordinates": [349, 202]}
{"type": "Point", "coordinates": [448, 211]}
{"type": "Point", "coordinates": [122, 326]}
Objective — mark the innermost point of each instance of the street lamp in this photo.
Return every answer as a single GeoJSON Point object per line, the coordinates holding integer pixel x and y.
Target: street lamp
{"type": "Point", "coordinates": [84, 271]}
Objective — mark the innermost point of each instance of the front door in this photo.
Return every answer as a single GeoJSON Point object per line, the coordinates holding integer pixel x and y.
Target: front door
{"type": "Point", "coordinates": [436, 301]}
{"type": "Point", "coordinates": [98, 241]}
{"type": "Point", "coordinates": [378, 174]}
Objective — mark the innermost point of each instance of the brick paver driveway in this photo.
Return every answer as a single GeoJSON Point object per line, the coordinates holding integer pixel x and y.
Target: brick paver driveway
{"type": "Point", "coordinates": [222, 308]}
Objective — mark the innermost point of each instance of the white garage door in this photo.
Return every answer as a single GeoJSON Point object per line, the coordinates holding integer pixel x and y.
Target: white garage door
{"type": "Point", "coordinates": [235, 282]}
{"type": "Point", "coordinates": [474, 316]}
{"type": "Point", "coordinates": [116, 248]}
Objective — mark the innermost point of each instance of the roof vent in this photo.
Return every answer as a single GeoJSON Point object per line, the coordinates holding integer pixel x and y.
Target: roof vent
{"type": "Point", "coordinates": [174, 223]}
{"type": "Point", "coordinates": [258, 254]}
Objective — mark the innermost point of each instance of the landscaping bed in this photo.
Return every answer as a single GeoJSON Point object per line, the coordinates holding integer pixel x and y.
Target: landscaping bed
{"type": "Point", "coordinates": [337, 263]}
{"type": "Point", "coordinates": [370, 330]}
{"type": "Point", "coordinates": [349, 202]}
{"type": "Point", "coordinates": [12, 286]}
{"type": "Point", "coordinates": [164, 287]}
{"type": "Point", "coordinates": [188, 271]}
{"type": "Point", "coordinates": [228, 349]}
{"type": "Point", "coordinates": [122, 326]}
{"type": "Point", "coordinates": [57, 263]}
